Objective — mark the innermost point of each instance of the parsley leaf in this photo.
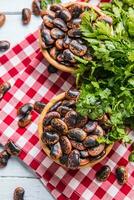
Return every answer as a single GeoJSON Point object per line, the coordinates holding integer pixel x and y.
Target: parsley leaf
{"type": "Point", "coordinates": [107, 82]}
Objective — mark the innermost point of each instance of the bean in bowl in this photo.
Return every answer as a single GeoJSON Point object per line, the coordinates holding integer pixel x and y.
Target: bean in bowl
{"type": "Point", "coordinates": [69, 138]}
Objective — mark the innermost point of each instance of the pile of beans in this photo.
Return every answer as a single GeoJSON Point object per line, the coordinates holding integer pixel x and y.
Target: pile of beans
{"type": "Point", "coordinates": [70, 137]}
{"type": "Point", "coordinates": [61, 34]}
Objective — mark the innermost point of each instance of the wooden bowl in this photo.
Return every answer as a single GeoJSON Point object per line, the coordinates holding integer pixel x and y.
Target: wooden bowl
{"type": "Point", "coordinates": [40, 131]}
{"type": "Point", "coordinates": [46, 54]}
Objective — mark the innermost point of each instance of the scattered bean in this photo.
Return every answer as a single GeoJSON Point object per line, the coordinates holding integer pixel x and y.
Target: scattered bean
{"type": "Point", "coordinates": [4, 45]}
{"type": "Point", "coordinates": [4, 87]}
{"type": "Point", "coordinates": [26, 15]}
{"type": "Point", "coordinates": [24, 121]}
{"type": "Point", "coordinates": [25, 109]}
{"type": "Point", "coordinates": [12, 149]}
{"type": "Point", "coordinates": [19, 193]}
{"type": "Point", "coordinates": [2, 19]}
{"type": "Point", "coordinates": [39, 106]}
{"type": "Point", "coordinates": [121, 175]}
{"type": "Point", "coordinates": [4, 157]}
{"type": "Point", "coordinates": [103, 173]}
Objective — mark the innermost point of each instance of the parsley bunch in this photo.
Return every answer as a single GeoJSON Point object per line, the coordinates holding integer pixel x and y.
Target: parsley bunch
{"type": "Point", "coordinates": [107, 82]}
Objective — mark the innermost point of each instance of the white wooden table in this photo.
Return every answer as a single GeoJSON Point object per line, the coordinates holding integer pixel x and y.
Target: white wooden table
{"type": "Point", "coordinates": [16, 173]}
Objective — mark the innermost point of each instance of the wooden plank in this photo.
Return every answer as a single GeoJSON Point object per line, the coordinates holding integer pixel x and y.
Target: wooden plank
{"type": "Point", "coordinates": [34, 190]}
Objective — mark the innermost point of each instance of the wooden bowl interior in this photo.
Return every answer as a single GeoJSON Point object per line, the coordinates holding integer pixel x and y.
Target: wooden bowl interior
{"type": "Point", "coordinates": [45, 53]}
{"type": "Point", "coordinates": [40, 131]}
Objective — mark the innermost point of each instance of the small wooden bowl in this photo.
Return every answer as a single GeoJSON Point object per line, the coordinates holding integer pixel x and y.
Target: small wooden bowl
{"type": "Point", "coordinates": [46, 54]}
{"type": "Point", "coordinates": [40, 131]}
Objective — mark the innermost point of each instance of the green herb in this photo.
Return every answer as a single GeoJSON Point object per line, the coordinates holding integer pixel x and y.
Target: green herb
{"type": "Point", "coordinates": [107, 82]}
{"type": "Point", "coordinates": [131, 157]}
{"type": "Point", "coordinates": [45, 3]}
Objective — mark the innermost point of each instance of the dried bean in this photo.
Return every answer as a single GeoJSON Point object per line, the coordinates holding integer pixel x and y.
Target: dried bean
{"type": "Point", "coordinates": [49, 116]}
{"type": "Point", "coordinates": [103, 173]}
{"type": "Point", "coordinates": [50, 137]}
{"type": "Point", "coordinates": [25, 109]}
{"type": "Point", "coordinates": [48, 21]}
{"type": "Point", "coordinates": [55, 106]}
{"type": "Point", "coordinates": [77, 134]}
{"type": "Point", "coordinates": [65, 145]}
{"type": "Point", "coordinates": [59, 125]}
{"type": "Point", "coordinates": [95, 151]}
{"type": "Point", "coordinates": [56, 33]}
{"type": "Point", "coordinates": [19, 193]}
{"type": "Point", "coordinates": [84, 154]}
{"type": "Point", "coordinates": [26, 15]}
{"type": "Point", "coordinates": [75, 10]}
{"type": "Point", "coordinates": [46, 36]}
{"type": "Point", "coordinates": [75, 23]}
{"type": "Point", "coordinates": [12, 149]}
{"type": "Point", "coordinates": [64, 14]}
{"type": "Point", "coordinates": [56, 7]}
{"type": "Point", "coordinates": [60, 24]}
{"type": "Point", "coordinates": [69, 103]}
{"type": "Point", "coordinates": [77, 145]}
{"type": "Point", "coordinates": [59, 44]}
{"type": "Point", "coordinates": [72, 94]}
{"type": "Point", "coordinates": [77, 48]}
{"type": "Point", "coordinates": [64, 159]}
{"type": "Point", "coordinates": [90, 126]}
{"type": "Point", "coordinates": [68, 56]}
{"type": "Point", "coordinates": [4, 87]}
{"type": "Point", "coordinates": [74, 33]}
{"type": "Point", "coordinates": [73, 160]}
{"type": "Point", "coordinates": [63, 110]}
{"type": "Point", "coordinates": [4, 45]}
{"type": "Point", "coordinates": [56, 151]}
{"type": "Point", "coordinates": [4, 157]}
{"type": "Point", "coordinates": [71, 119]}
{"type": "Point", "coordinates": [2, 19]}
{"type": "Point", "coordinates": [121, 175]}
{"type": "Point", "coordinates": [36, 9]}
{"type": "Point", "coordinates": [91, 141]}
{"type": "Point", "coordinates": [98, 131]}
{"type": "Point", "coordinates": [24, 121]}
{"type": "Point", "coordinates": [66, 42]}
{"type": "Point", "coordinates": [54, 52]}
{"type": "Point", "coordinates": [39, 106]}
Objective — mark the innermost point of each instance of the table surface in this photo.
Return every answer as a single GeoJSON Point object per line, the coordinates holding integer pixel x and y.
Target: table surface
{"type": "Point", "coordinates": [16, 173]}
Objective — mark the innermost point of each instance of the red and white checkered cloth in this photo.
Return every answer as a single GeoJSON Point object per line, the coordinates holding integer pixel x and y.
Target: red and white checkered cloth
{"type": "Point", "coordinates": [26, 70]}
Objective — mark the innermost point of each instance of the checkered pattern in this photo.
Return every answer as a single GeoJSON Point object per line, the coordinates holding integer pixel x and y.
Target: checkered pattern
{"type": "Point", "coordinates": [32, 82]}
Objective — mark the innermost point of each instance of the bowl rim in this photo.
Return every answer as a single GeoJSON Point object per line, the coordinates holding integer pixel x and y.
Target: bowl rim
{"type": "Point", "coordinates": [40, 131]}
{"type": "Point", "coordinates": [45, 52]}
